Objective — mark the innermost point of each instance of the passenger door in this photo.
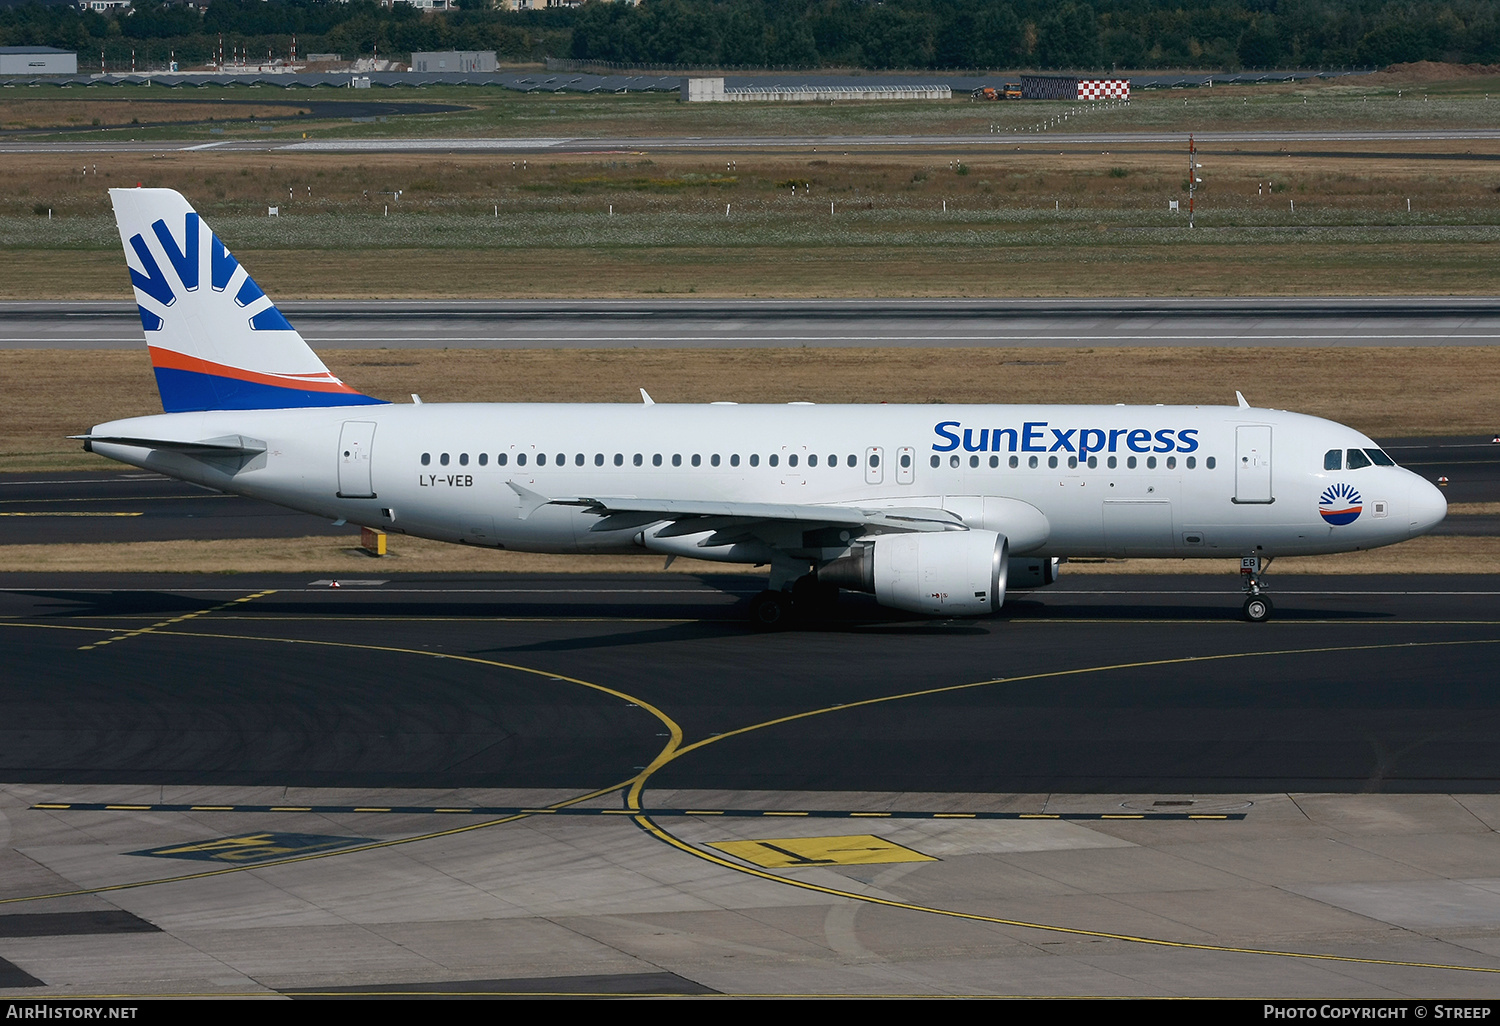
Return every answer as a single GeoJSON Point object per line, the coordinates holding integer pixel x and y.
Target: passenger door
{"type": "Point", "coordinates": [1252, 464]}
{"type": "Point", "coordinates": [355, 443]}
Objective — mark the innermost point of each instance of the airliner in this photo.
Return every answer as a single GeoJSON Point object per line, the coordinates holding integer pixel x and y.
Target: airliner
{"type": "Point", "coordinates": [934, 510]}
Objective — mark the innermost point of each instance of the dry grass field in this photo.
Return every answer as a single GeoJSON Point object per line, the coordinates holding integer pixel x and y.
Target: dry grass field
{"type": "Point", "coordinates": [1384, 392]}
{"type": "Point", "coordinates": [1012, 223]}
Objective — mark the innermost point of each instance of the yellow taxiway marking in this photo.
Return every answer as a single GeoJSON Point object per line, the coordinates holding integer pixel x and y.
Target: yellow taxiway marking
{"type": "Point", "coordinates": [646, 823]}
{"type": "Point", "coordinates": [675, 749]}
{"type": "Point", "coordinates": [177, 619]}
{"type": "Point", "coordinates": [69, 513]}
{"type": "Point", "coordinates": [809, 852]}
{"type": "Point", "coordinates": [124, 498]}
{"type": "Point", "coordinates": [674, 739]}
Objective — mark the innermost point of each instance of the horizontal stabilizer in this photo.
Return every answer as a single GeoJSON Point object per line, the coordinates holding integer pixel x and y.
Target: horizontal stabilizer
{"type": "Point", "coordinates": [231, 445]}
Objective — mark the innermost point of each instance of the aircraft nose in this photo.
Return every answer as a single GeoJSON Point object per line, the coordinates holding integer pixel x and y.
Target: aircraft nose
{"type": "Point", "coordinates": [1427, 504]}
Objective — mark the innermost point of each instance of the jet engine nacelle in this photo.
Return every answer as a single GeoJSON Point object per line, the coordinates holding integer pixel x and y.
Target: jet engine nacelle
{"type": "Point", "coordinates": [950, 573]}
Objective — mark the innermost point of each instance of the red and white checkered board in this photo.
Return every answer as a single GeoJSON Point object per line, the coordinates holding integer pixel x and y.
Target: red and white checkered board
{"type": "Point", "coordinates": [1104, 89]}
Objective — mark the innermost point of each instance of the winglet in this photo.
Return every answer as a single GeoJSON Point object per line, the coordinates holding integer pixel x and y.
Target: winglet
{"type": "Point", "coordinates": [646, 398]}
{"type": "Point", "coordinates": [1243, 405]}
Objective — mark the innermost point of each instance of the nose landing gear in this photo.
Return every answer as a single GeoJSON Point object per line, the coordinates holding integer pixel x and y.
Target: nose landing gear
{"type": "Point", "coordinates": [1257, 608]}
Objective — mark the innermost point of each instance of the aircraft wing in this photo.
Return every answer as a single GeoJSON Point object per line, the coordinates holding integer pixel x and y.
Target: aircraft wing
{"type": "Point", "coordinates": [745, 514]}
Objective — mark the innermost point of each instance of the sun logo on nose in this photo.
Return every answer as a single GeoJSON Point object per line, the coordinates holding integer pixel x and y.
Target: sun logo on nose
{"type": "Point", "coordinates": [1340, 504]}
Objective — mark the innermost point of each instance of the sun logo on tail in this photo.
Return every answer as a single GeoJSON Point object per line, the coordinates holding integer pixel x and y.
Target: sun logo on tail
{"type": "Point", "coordinates": [1340, 504]}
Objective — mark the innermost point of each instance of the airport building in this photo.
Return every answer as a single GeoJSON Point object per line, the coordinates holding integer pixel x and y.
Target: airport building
{"type": "Point", "coordinates": [455, 60]}
{"type": "Point", "coordinates": [712, 90]}
{"type": "Point", "coordinates": [37, 60]}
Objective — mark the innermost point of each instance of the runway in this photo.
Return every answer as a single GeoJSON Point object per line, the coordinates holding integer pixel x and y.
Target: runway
{"type": "Point", "coordinates": [1117, 141]}
{"type": "Point", "coordinates": [471, 784]}
{"type": "Point", "coordinates": [697, 324]}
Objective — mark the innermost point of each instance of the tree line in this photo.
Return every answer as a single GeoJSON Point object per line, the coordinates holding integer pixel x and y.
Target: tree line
{"type": "Point", "coordinates": [894, 34]}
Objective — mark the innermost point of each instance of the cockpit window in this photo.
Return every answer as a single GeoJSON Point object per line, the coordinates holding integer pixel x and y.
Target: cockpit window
{"type": "Point", "coordinates": [1333, 459]}
{"type": "Point", "coordinates": [1357, 459]}
{"type": "Point", "coordinates": [1380, 458]}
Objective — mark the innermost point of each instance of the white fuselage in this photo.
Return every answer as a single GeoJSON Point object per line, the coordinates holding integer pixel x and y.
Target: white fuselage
{"type": "Point", "coordinates": [1154, 481]}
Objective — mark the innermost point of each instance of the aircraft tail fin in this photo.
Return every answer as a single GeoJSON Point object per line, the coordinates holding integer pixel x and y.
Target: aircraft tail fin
{"type": "Point", "coordinates": [217, 342]}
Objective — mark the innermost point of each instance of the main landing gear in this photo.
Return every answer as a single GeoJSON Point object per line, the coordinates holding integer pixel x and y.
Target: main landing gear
{"type": "Point", "coordinates": [1257, 606]}
{"type": "Point", "coordinates": [773, 610]}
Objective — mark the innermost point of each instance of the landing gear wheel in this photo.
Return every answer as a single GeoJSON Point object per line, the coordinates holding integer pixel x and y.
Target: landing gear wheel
{"type": "Point", "coordinates": [1257, 609]}
{"type": "Point", "coordinates": [813, 599]}
{"type": "Point", "coordinates": [771, 611]}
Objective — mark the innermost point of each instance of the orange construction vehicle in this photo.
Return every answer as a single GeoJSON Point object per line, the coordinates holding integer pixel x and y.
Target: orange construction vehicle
{"type": "Point", "coordinates": [1010, 91]}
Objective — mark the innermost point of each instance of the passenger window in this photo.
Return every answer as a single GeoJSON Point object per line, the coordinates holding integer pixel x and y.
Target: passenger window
{"type": "Point", "coordinates": [1192, 461]}
{"type": "Point", "coordinates": [853, 460]}
{"type": "Point", "coordinates": [774, 459]}
{"type": "Point", "coordinates": [636, 459]}
{"type": "Point", "coordinates": [1358, 460]}
{"type": "Point", "coordinates": [973, 461]}
{"type": "Point", "coordinates": [619, 459]}
{"type": "Point", "coordinates": [1093, 462]}
{"type": "Point", "coordinates": [520, 459]}
{"type": "Point", "coordinates": [541, 459]}
{"type": "Point", "coordinates": [937, 461]}
{"type": "Point", "coordinates": [874, 460]}
{"type": "Point", "coordinates": [1210, 463]}
{"type": "Point", "coordinates": [426, 459]}
{"type": "Point", "coordinates": [1130, 462]}
{"type": "Point", "coordinates": [812, 460]}
{"type": "Point", "coordinates": [578, 460]}
{"type": "Point", "coordinates": [1015, 461]}
{"type": "Point", "coordinates": [1052, 462]}
{"type": "Point", "coordinates": [905, 460]}
{"type": "Point", "coordinates": [443, 459]}
{"type": "Point", "coordinates": [677, 459]}
{"type": "Point", "coordinates": [713, 460]}
{"type": "Point", "coordinates": [484, 459]}
{"type": "Point", "coordinates": [994, 462]}
{"type": "Point", "coordinates": [656, 459]}
{"type": "Point", "coordinates": [1072, 462]}
{"type": "Point", "coordinates": [833, 461]}
{"type": "Point", "coordinates": [734, 460]}
{"type": "Point", "coordinates": [1380, 458]}
{"type": "Point", "coordinates": [463, 459]}
{"type": "Point", "coordinates": [952, 461]}
{"type": "Point", "coordinates": [791, 460]}
{"type": "Point", "coordinates": [598, 459]}
{"type": "Point", "coordinates": [562, 459]}
{"type": "Point", "coordinates": [1031, 463]}
{"type": "Point", "coordinates": [697, 460]}
{"type": "Point", "coordinates": [1150, 462]}
{"type": "Point", "coordinates": [1171, 462]}
{"type": "Point", "coordinates": [1333, 459]}
{"type": "Point", "coordinates": [501, 459]}
{"type": "Point", "coordinates": [1113, 463]}
{"type": "Point", "coordinates": [755, 459]}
